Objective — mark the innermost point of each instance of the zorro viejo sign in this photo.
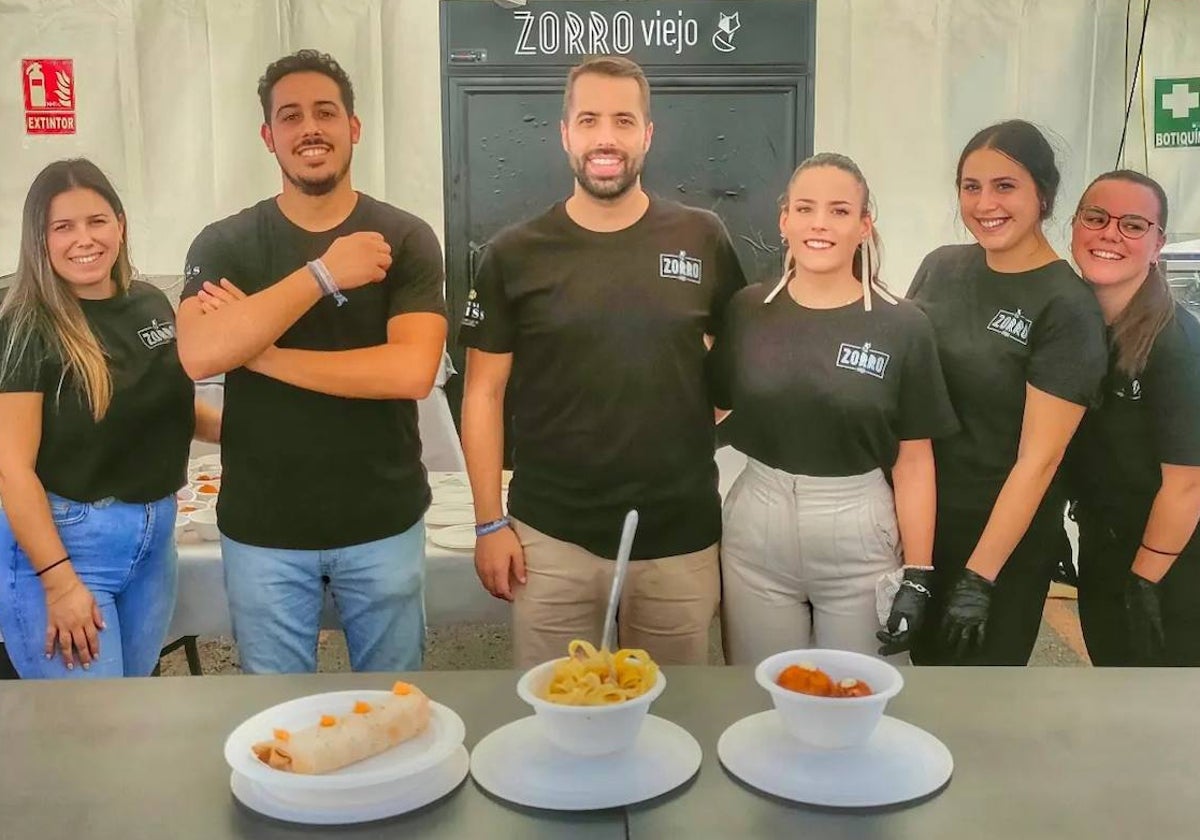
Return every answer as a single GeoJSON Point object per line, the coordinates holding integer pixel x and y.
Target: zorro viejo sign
{"type": "Point", "coordinates": [724, 32]}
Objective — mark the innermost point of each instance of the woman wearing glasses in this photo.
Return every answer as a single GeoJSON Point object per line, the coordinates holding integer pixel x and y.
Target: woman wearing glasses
{"type": "Point", "coordinates": [1134, 466]}
{"type": "Point", "coordinates": [1021, 341]}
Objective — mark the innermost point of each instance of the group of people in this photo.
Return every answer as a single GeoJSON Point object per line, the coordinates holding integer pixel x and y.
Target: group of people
{"type": "Point", "coordinates": [909, 461]}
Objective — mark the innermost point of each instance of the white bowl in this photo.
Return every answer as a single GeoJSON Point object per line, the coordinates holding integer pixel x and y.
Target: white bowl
{"type": "Point", "coordinates": [586, 730]}
{"type": "Point", "coordinates": [831, 722]}
{"type": "Point", "coordinates": [204, 520]}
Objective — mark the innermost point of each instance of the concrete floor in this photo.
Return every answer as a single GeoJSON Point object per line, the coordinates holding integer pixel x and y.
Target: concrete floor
{"type": "Point", "coordinates": [483, 646]}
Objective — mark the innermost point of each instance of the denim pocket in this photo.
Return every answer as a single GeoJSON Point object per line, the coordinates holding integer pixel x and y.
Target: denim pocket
{"type": "Point", "coordinates": [67, 512]}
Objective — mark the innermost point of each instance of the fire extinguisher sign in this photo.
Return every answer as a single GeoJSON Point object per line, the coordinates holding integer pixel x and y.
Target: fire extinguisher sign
{"type": "Point", "coordinates": [49, 85]}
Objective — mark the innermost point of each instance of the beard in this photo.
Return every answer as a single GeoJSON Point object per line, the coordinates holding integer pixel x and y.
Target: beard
{"type": "Point", "coordinates": [607, 189]}
{"type": "Point", "coordinates": [320, 185]}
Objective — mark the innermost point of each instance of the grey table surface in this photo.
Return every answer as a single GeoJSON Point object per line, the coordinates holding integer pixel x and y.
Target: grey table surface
{"type": "Point", "coordinates": [1039, 752]}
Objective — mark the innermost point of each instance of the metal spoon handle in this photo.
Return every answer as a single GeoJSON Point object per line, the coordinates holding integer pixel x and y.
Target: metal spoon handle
{"type": "Point", "coordinates": [609, 640]}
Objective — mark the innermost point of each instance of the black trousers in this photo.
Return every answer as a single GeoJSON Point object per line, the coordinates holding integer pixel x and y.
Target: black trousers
{"type": "Point", "coordinates": [1018, 598]}
{"type": "Point", "coordinates": [1108, 542]}
{"type": "Point", "coordinates": [7, 671]}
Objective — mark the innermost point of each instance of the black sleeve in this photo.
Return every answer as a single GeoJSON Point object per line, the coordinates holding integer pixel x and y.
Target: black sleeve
{"type": "Point", "coordinates": [487, 322]}
{"type": "Point", "coordinates": [730, 278]}
{"type": "Point", "coordinates": [1069, 356]}
{"type": "Point", "coordinates": [1172, 385]}
{"type": "Point", "coordinates": [208, 261]}
{"type": "Point", "coordinates": [718, 363]}
{"type": "Point", "coordinates": [925, 408]}
{"type": "Point", "coordinates": [417, 279]}
{"type": "Point", "coordinates": [24, 368]}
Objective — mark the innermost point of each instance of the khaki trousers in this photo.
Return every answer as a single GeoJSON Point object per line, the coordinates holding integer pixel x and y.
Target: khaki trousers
{"type": "Point", "coordinates": [667, 604]}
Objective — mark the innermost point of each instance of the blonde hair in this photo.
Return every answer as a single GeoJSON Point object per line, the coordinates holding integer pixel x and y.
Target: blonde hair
{"type": "Point", "coordinates": [41, 311]}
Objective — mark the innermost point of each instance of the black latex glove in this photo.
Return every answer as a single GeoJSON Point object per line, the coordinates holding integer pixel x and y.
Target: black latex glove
{"type": "Point", "coordinates": [909, 606]}
{"type": "Point", "coordinates": [1065, 572]}
{"type": "Point", "coordinates": [1143, 614]}
{"type": "Point", "coordinates": [964, 624]}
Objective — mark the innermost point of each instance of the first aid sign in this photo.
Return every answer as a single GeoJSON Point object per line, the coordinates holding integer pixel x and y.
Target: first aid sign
{"type": "Point", "coordinates": [49, 87]}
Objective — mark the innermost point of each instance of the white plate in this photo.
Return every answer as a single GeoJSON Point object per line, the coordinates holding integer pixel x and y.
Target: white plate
{"type": "Point", "coordinates": [518, 764]}
{"type": "Point", "coordinates": [900, 763]}
{"type": "Point", "coordinates": [443, 734]}
{"type": "Point", "coordinates": [455, 538]}
{"type": "Point", "coordinates": [440, 514]}
{"type": "Point", "coordinates": [373, 803]}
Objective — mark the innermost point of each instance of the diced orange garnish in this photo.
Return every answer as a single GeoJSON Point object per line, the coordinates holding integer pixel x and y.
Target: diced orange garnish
{"type": "Point", "coordinates": [328, 720]}
{"type": "Point", "coordinates": [362, 707]}
{"type": "Point", "coordinates": [402, 688]}
{"type": "Point", "coordinates": [281, 734]}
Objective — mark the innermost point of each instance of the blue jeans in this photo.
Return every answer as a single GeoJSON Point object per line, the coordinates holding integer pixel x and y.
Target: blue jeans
{"type": "Point", "coordinates": [125, 555]}
{"type": "Point", "coordinates": [276, 595]}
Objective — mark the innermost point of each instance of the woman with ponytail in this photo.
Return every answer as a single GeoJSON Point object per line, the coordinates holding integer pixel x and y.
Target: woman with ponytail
{"type": "Point", "coordinates": [96, 415]}
{"type": "Point", "coordinates": [835, 392]}
{"type": "Point", "coordinates": [1134, 466]}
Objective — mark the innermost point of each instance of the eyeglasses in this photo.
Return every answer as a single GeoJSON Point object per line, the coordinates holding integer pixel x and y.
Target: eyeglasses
{"type": "Point", "coordinates": [1131, 225]}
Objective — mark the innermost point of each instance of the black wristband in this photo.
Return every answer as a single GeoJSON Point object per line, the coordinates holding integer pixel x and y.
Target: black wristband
{"type": "Point", "coordinates": [41, 572]}
{"type": "Point", "coordinates": [1163, 553]}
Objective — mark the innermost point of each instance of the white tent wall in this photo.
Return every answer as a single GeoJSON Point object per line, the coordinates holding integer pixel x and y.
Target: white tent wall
{"type": "Point", "coordinates": [167, 106]}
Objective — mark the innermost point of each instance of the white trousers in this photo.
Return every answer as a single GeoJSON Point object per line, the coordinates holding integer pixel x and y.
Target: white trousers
{"type": "Point", "coordinates": [800, 559]}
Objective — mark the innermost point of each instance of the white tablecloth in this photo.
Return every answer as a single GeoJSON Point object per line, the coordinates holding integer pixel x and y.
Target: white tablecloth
{"type": "Point", "coordinates": [452, 591]}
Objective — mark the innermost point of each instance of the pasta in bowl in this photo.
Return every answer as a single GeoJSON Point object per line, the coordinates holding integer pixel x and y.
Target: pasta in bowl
{"type": "Point", "coordinates": [592, 702]}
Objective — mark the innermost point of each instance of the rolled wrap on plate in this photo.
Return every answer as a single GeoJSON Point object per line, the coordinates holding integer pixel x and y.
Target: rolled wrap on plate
{"type": "Point", "coordinates": [371, 728]}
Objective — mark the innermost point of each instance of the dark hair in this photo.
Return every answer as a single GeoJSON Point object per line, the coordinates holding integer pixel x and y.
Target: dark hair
{"type": "Point", "coordinates": [845, 164]}
{"type": "Point", "coordinates": [1024, 143]}
{"type": "Point", "coordinates": [613, 66]}
{"type": "Point", "coordinates": [304, 61]}
{"type": "Point", "coordinates": [1151, 308]}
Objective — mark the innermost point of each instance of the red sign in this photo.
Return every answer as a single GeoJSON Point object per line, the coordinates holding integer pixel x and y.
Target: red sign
{"type": "Point", "coordinates": [49, 85]}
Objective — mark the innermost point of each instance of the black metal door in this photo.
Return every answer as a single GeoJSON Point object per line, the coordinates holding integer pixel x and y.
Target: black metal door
{"type": "Point", "coordinates": [726, 137]}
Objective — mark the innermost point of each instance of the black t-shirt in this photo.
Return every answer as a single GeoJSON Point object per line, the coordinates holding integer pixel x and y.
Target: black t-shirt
{"type": "Point", "coordinates": [827, 392]}
{"type": "Point", "coordinates": [138, 451]}
{"type": "Point", "coordinates": [996, 332]}
{"type": "Point", "coordinates": [1115, 459]}
{"type": "Point", "coordinates": [301, 469]}
{"type": "Point", "coordinates": [610, 410]}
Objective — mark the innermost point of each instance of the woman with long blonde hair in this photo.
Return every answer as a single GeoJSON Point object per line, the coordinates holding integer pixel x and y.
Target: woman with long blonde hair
{"type": "Point", "coordinates": [96, 416]}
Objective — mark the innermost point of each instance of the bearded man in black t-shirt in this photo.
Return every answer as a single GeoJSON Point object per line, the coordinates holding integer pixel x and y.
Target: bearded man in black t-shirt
{"type": "Point", "coordinates": [324, 308]}
{"type": "Point", "coordinates": [592, 318]}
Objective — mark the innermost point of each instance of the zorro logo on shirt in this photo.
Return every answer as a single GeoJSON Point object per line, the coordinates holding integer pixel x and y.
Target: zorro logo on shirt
{"type": "Point", "coordinates": [680, 267]}
{"type": "Point", "coordinates": [156, 334]}
{"type": "Point", "coordinates": [865, 359]}
{"type": "Point", "coordinates": [1012, 325]}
